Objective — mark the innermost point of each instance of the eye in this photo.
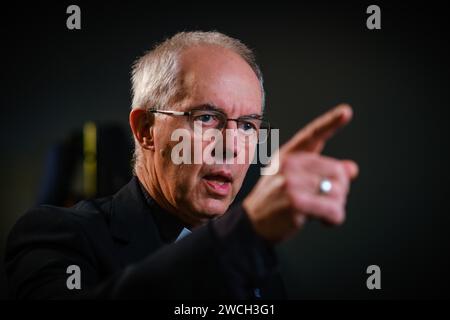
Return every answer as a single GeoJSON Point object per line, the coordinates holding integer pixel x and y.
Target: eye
{"type": "Point", "coordinates": [247, 127]}
{"type": "Point", "coordinates": [206, 119]}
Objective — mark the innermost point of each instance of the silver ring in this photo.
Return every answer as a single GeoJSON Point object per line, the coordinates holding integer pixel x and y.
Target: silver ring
{"type": "Point", "coordinates": [325, 186]}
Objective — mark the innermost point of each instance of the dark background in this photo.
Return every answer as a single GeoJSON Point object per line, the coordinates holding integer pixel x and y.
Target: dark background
{"type": "Point", "coordinates": [313, 57]}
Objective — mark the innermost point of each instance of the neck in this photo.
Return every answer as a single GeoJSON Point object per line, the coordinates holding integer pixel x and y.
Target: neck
{"type": "Point", "coordinates": [149, 179]}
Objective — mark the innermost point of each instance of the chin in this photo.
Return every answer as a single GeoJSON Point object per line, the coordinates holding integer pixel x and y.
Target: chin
{"type": "Point", "coordinates": [214, 207]}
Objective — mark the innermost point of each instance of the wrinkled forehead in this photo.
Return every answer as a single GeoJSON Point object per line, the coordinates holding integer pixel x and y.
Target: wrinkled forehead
{"type": "Point", "coordinates": [218, 76]}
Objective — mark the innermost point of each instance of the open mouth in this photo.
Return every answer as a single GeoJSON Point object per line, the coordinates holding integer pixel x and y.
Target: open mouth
{"type": "Point", "coordinates": [218, 183]}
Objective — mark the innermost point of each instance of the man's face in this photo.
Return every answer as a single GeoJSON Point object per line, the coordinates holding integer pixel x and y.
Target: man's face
{"type": "Point", "coordinates": [211, 76]}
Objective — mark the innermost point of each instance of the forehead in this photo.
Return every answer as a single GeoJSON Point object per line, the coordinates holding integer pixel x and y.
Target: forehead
{"type": "Point", "coordinates": [218, 76]}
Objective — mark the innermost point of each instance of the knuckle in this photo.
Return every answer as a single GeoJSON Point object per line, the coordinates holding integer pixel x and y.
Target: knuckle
{"type": "Point", "coordinates": [340, 191]}
{"type": "Point", "coordinates": [309, 157]}
{"type": "Point", "coordinates": [341, 175]}
{"type": "Point", "coordinates": [339, 170]}
{"type": "Point", "coordinates": [300, 161]}
{"type": "Point", "coordinates": [297, 201]}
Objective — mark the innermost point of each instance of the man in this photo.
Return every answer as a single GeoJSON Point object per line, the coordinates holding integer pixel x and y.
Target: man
{"type": "Point", "coordinates": [134, 244]}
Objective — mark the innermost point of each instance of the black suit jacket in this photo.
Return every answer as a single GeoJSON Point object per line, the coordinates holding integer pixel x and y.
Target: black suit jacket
{"type": "Point", "coordinates": [117, 246]}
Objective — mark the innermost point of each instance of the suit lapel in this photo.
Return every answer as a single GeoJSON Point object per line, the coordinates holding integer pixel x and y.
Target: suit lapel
{"type": "Point", "coordinates": [132, 224]}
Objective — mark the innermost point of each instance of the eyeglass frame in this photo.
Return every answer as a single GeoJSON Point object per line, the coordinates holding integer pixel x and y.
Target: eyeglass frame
{"type": "Point", "coordinates": [237, 120]}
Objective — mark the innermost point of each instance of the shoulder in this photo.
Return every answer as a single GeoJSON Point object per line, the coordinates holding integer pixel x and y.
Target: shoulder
{"type": "Point", "coordinates": [46, 224]}
{"type": "Point", "coordinates": [48, 239]}
{"type": "Point", "coordinates": [84, 212]}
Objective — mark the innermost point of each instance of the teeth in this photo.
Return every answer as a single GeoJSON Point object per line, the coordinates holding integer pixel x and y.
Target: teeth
{"type": "Point", "coordinates": [219, 182]}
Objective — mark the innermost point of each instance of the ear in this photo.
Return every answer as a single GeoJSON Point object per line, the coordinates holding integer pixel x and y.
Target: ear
{"type": "Point", "coordinates": [141, 123]}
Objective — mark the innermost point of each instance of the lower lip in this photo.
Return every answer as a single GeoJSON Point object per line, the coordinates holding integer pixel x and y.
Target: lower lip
{"type": "Point", "coordinates": [218, 189]}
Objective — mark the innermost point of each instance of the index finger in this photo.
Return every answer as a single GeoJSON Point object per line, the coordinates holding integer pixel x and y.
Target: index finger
{"type": "Point", "coordinates": [317, 132]}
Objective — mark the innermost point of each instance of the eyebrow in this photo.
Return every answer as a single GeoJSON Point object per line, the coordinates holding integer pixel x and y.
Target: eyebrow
{"type": "Point", "coordinates": [210, 106]}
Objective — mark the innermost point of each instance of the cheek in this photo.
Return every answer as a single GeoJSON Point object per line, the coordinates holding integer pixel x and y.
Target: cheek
{"type": "Point", "coordinates": [240, 173]}
{"type": "Point", "coordinates": [189, 173]}
{"type": "Point", "coordinates": [187, 184]}
{"type": "Point", "coordinates": [163, 158]}
{"type": "Point", "coordinates": [251, 150]}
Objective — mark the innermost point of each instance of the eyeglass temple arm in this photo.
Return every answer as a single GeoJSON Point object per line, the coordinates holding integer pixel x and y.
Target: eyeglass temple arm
{"type": "Point", "coordinates": [176, 113]}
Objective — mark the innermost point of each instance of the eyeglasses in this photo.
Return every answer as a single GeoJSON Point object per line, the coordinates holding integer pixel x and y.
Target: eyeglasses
{"type": "Point", "coordinates": [248, 126]}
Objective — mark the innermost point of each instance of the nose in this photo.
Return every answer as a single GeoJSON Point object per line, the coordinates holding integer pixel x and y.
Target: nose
{"type": "Point", "coordinates": [230, 141]}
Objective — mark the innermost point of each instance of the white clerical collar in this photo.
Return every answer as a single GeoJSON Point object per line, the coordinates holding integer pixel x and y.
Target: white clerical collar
{"type": "Point", "coordinates": [183, 234]}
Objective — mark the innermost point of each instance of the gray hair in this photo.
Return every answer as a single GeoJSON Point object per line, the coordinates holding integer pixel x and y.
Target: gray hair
{"type": "Point", "coordinates": [155, 75]}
